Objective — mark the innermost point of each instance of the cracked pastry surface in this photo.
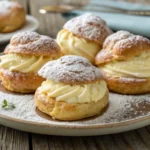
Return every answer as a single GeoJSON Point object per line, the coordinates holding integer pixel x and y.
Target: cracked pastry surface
{"type": "Point", "coordinates": [73, 95]}
{"type": "Point", "coordinates": [124, 62]}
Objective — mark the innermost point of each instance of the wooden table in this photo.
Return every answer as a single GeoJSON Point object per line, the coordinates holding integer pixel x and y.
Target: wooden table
{"type": "Point", "coordinates": [11, 139]}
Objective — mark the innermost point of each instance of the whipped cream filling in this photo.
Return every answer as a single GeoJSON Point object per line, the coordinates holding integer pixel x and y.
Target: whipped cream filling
{"type": "Point", "coordinates": [71, 44]}
{"type": "Point", "coordinates": [74, 93]}
{"type": "Point", "coordinates": [138, 66]}
{"type": "Point", "coordinates": [22, 63]}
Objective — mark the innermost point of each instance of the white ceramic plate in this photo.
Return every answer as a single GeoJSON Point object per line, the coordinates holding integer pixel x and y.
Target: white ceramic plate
{"type": "Point", "coordinates": [31, 25]}
{"type": "Point", "coordinates": [122, 114]}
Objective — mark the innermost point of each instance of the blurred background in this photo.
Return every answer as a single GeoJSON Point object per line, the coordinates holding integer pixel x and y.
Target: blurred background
{"type": "Point", "coordinates": [51, 23]}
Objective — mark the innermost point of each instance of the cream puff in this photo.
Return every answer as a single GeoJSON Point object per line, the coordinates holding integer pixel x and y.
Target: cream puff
{"type": "Point", "coordinates": [23, 58]}
{"type": "Point", "coordinates": [74, 89]}
{"type": "Point", "coordinates": [12, 16]}
{"type": "Point", "coordinates": [125, 63]}
{"type": "Point", "coordinates": [83, 36]}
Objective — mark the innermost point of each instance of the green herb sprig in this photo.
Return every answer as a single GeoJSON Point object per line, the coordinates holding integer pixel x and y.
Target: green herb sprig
{"type": "Point", "coordinates": [8, 106]}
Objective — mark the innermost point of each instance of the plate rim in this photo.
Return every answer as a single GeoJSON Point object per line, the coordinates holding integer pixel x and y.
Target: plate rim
{"type": "Point", "coordinates": [77, 126]}
{"type": "Point", "coordinates": [90, 126]}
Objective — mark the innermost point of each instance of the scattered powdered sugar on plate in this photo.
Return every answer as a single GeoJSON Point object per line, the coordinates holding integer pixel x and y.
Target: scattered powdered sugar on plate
{"type": "Point", "coordinates": [126, 107]}
{"type": "Point", "coordinates": [121, 108]}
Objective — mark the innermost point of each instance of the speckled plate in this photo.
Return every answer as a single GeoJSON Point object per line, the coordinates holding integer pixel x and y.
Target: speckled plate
{"type": "Point", "coordinates": [30, 25]}
{"type": "Point", "coordinates": [122, 114]}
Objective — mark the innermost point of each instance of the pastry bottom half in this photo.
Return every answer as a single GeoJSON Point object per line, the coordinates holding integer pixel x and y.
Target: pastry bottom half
{"type": "Point", "coordinates": [20, 82]}
{"type": "Point", "coordinates": [62, 110]}
{"type": "Point", "coordinates": [124, 85]}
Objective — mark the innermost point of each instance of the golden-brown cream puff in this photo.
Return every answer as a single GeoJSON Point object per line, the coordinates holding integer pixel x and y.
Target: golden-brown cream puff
{"type": "Point", "coordinates": [74, 89]}
{"type": "Point", "coordinates": [125, 63]}
{"type": "Point", "coordinates": [83, 36]}
{"type": "Point", "coordinates": [24, 56]}
{"type": "Point", "coordinates": [12, 16]}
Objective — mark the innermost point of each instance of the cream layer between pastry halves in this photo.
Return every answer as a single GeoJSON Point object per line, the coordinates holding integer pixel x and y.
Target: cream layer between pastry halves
{"type": "Point", "coordinates": [74, 93]}
{"type": "Point", "coordinates": [71, 44]}
{"type": "Point", "coordinates": [22, 63]}
{"type": "Point", "coordinates": [138, 66]}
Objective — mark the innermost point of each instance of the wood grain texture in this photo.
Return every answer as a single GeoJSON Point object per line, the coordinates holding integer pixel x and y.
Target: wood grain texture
{"type": "Point", "coordinates": [135, 140]}
{"type": "Point", "coordinates": [11, 139]}
{"type": "Point", "coordinates": [106, 142]}
{"type": "Point", "coordinates": [144, 135]}
{"type": "Point", "coordinates": [77, 143]}
{"type": "Point", "coordinates": [39, 142]}
{"type": "Point", "coordinates": [121, 142]}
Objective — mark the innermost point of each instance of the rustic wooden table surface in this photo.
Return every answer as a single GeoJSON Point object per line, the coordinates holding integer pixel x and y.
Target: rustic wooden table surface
{"type": "Point", "coordinates": [11, 139]}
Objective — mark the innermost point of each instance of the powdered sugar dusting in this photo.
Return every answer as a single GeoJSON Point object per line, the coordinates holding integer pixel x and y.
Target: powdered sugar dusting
{"type": "Point", "coordinates": [89, 26]}
{"type": "Point", "coordinates": [5, 6]}
{"type": "Point", "coordinates": [24, 37]}
{"type": "Point", "coordinates": [126, 107]}
{"type": "Point", "coordinates": [121, 108]}
{"type": "Point", "coordinates": [123, 39]}
{"type": "Point", "coordinates": [70, 69]}
{"type": "Point", "coordinates": [121, 46]}
{"type": "Point", "coordinates": [29, 42]}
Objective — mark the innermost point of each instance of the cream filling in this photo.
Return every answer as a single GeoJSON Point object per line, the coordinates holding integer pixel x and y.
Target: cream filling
{"type": "Point", "coordinates": [71, 44]}
{"type": "Point", "coordinates": [138, 66]}
{"type": "Point", "coordinates": [74, 93]}
{"type": "Point", "coordinates": [22, 63]}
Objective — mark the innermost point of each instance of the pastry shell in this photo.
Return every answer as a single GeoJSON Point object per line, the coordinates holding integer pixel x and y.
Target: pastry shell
{"type": "Point", "coordinates": [123, 45]}
{"type": "Point", "coordinates": [62, 110]}
{"type": "Point", "coordinates": [12, 18]}
{"type": "Point", "coordinates": [20, 82]}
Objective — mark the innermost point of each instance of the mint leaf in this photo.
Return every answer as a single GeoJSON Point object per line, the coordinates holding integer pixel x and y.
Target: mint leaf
{"type": "Point", "coordinates": [5, 102]}
{"type": "Point", "coordinates": [7, 105]}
